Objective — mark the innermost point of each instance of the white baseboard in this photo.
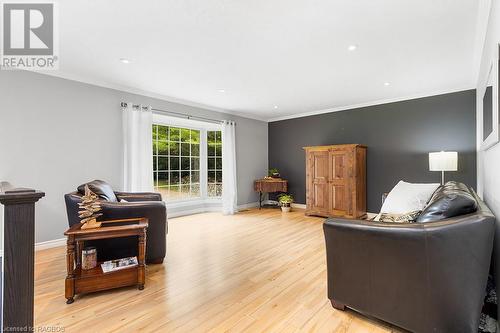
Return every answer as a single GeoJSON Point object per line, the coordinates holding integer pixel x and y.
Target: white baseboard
{"type": "Point", "coordinates": [62, 241]}
{"type": "Point", "coordinates": [50, 244]}
{"type": "Point", "coordinates": [249, 205]}
{"type": "Point", "coordinates": [192, 211]}
{"type": "Point", "coordinates": [206, 209]}
{"type": "Point", "coordinates": [300, 206]}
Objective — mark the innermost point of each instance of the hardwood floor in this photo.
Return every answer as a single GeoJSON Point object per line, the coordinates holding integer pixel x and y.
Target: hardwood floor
{"type": "Point", "coordinates": [257, 271]}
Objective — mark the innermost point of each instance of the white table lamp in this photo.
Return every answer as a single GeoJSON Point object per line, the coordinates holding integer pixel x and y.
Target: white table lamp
{"type": "Point", "coordinates": [443, 161]}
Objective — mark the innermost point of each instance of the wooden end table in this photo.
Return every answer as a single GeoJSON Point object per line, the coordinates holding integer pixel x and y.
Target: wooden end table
{"type": "Point", "coordinates": [85, 281]}
{"type": "Point", "coordinates": [269, 185]}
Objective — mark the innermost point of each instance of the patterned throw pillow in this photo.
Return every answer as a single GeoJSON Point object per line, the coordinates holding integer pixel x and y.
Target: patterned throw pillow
{"type": "Point", "coordinates": [400, 218]}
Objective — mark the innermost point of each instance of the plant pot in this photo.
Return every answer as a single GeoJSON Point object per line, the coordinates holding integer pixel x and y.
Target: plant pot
{"type": "Point", "coordinates": [286, 209]}
{"type": "Point", "coordinates": [275, 175]}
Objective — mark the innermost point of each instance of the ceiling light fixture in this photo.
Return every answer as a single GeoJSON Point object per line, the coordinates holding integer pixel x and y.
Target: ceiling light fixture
{"type": "Point", "coordinates": [125, 61]}
{"type": "Point", "coordinates": [221, 90]}
{"type": "Point", "coordinates": [387, 84]}
{"type": "Point", "coordinates": [275, 106]}
{"type": "Point", "coordinates": [352, 47]}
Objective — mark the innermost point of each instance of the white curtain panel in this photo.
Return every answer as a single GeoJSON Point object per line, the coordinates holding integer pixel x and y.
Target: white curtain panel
{"type": "Point", "coordinates": [137, 150]}
{"type": "Point", "coordinates": [229, 186]}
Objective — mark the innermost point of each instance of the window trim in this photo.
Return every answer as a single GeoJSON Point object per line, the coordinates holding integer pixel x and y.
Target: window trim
{"type": "Point", "coordinates": [203, 127]}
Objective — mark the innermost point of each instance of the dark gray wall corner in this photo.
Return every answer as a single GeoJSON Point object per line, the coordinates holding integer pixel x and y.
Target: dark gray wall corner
{"type": "Point", "coordinates": [398, 135]}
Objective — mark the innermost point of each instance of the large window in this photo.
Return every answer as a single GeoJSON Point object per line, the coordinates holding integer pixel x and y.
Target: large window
{"type": "Point", "coordinates": [187, 162]}
{"type": "Point", "coordinates": [176, 162]}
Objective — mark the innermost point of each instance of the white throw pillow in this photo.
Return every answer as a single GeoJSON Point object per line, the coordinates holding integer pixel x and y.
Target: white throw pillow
{"type": "Point", "coordinates": [408, 197]}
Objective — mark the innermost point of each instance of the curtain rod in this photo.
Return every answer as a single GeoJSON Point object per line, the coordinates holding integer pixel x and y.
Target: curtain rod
{"type": "Point", "coordinates": [175, 114]}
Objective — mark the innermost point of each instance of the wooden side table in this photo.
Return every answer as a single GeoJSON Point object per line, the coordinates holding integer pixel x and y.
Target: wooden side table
{"type": "Point", "coordinates": [270, 186]}
{"type": "Point", "coordinates": [79, 280]}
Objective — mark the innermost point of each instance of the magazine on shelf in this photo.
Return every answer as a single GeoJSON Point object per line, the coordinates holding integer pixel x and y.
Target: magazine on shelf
{"type": "Point", "coordinates": [117, 264]}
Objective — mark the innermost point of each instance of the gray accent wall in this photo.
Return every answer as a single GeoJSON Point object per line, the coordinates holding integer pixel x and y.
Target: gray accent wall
{"type": "Point", "coordinates": [399, 137]}
{"type": "Point", "coordinates": [56, 134]}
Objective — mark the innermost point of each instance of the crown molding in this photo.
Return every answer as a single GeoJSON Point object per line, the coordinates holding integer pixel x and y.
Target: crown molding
{"type": "Point", "coordinates": [105, 84]}
{"type": "Point", "coordinates": [131, 90]}
{"type": "Point", "coordinates": [366, 104]}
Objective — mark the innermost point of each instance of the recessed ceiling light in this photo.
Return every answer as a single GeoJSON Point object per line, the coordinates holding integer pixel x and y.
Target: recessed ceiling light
{"type": "Point", "coordinates": [387, 84]}
{"type": "Point", "coordinates": [221, 90]}
{"type": "Point", "coordinates": [125, 61]}
{"type": "Point", "coordinates": [352, 47]}
{"type": "Point", "coordinates": [275, 106]}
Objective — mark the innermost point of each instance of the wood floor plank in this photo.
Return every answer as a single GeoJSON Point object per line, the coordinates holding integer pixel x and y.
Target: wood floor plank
{"type": "Point", "coordinates": [256, 271]}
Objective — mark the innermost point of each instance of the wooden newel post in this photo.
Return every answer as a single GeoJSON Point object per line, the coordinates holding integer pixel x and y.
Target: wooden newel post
{"type": "Point", "coordinates": [19, 255]}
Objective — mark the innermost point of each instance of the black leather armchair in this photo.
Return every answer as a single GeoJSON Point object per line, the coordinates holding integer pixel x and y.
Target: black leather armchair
{"type": "Point", "coordinates": [424, 277]}
{"type": "Point", "coordinates": [149, 205]}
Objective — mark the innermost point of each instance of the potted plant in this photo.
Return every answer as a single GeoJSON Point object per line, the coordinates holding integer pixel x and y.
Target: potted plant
{"type": "Point", "coordinates": [273, 172]}
{"type": "Point", "coordinates": [285, 202]}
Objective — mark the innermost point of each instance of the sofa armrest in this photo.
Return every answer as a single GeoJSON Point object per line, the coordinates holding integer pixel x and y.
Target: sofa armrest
{"type": "Point", "coordinates": [138, 196]}
{"type": "Point", "coordinates": [155, 211]}
{"type": "Point", "coordinates": [358, 228]}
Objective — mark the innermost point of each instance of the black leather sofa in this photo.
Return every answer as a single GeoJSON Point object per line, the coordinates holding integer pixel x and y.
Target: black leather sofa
{"type": "Point", "coordinates": [427, 276]}
{"type": "Point", "coordinates": [121, 205]}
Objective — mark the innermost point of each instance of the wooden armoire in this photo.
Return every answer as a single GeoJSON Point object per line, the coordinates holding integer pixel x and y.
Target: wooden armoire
{"type": "Point", "coordinates": [336, 180]}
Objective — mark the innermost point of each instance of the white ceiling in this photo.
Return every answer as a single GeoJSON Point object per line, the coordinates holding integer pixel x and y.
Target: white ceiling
{"type": "Point", "coordinates": [289, 53]}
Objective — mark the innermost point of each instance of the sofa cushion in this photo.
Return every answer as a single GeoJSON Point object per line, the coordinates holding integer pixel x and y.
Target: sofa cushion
{"type": "Point", "coordinates": [449, 200]}
{"type": "Point", "coordinates": [101, 188]}
{"type": "Point", "coordinates": [408, 197]}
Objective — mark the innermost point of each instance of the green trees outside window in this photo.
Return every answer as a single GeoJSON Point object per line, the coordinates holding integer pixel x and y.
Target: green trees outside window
{"type": "Point", "coordinates": [176, 162]}
{"type": "Point", "coordinates": [177, 165]}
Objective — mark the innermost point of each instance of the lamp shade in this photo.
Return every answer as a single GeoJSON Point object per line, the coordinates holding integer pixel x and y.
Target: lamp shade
{"type": "Point", "coordinates": [443, 161]}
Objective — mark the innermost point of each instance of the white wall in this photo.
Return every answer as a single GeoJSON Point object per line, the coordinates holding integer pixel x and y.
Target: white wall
{"type": "Point", "coordinates": [489, 160]}
{"type": "Point", "coordinates": [56, 134]}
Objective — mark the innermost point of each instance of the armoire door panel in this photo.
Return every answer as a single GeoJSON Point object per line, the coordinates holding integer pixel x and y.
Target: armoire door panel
{"type": "Point", "coordinates": [320, 182]}
{"type": "Point", "coordinates": [320, 166]}
{"type": "Point", "coordinates": [320, 201]}
{"type": "Point", "coordinates": [339, 182]}
{"type": "Point", "coordinates": [337, 166]}
{"type": "Point", "coordinates": [339, 200]}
